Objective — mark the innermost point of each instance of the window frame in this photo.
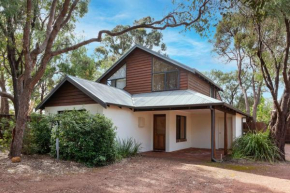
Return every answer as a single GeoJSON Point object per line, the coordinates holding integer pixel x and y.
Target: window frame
{"type": "Point", "coordinates": [116, 79]}
{"type": "Point", "coordinates": [178, 139]}
{"type": "Point", "coordinates": [165, 76]}
{"type": "Point", "coordinates": [212, 91]}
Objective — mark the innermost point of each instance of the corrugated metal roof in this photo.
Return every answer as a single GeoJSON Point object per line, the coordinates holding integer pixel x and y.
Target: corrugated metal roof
{"type": "Point", "coordinates": [183, 66]}
{"type": "Point", "coordinates": [107, 95]}
{"type": "Point", "coordinates": [172, 98]}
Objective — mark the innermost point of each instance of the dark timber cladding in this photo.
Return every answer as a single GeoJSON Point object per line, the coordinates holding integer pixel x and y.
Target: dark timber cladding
{"type": "Point", "coordinates": [138, 77]}
{"type": "Point", "coordinates": [68, 94]}
{"type": "Point", "coordinates": [139, 72]}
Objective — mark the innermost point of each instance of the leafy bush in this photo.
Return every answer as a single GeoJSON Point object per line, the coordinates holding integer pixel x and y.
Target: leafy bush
{"type": "Point", "coordinates": [85, 138]}
{"type": "Point", "coordinates": [256, 146]}
{"type": "Point", "coordinates": [6, 127]}
{"type": "Point", "coordinates": [127, 148]}
{"type": "Point", "coordinates": [37, 135]}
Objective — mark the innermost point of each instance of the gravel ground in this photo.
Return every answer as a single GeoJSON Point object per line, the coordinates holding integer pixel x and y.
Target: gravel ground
{"type": "Point", "coordinates": [142, 174]}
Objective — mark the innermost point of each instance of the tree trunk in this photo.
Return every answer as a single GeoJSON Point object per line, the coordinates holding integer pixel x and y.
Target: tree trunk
{"type": "Point", "coordinates": [16, 145]}
{"type": "Point", "coordinates": [257, 96]}
{"type": "Point", "coordinates": [244, 91]}
{"type": "Point", "coordinates": [4, 103]}
{"type": "Point", "coordinates": [278, 133]}
{"type": "Point", "coordinates": [4, 106]}
{"type": "Point", "coordinates": [280, 123]}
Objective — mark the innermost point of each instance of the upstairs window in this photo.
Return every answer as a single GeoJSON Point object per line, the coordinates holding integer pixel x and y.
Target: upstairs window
{"type": "Point", "coordinates": [118, 79]}
{"type": "Point", "coordinates": [165, 76]}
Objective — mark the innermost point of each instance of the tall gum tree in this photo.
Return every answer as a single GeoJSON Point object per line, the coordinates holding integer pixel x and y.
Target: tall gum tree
{"type": "Point", "coordinates": [40, 23]}
{"type": "Point", "coordinates": [231, 42]}
{"type": "Point", "coordinates": [268, 23]}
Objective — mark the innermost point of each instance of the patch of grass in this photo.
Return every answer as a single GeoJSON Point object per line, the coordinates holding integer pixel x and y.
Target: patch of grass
{"type": "Point", "coordinates": [256, 146]}
{"type": "Point", "coordinates": [236, 167]}
{"type": "Point", "coordinates": [127, 148]}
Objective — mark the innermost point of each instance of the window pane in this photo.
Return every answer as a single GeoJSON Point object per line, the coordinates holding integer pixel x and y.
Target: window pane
{"type": "Point", "coordinates": [171, 80]}
{"type": "Point", "coordinates": [121, 83]}
{"type": "Point", "coordinates": [177, 127]}
{"type": "Point", "coordinates": [182, 128]}
{"type": "Point", "coordinates": [113, 83]}
{"type": "Point", "coordinates": [160, 66]}
{"type": "Point", "coordinates": [158, 82]}
{"type": "Point", "coordinates": [121, 73]}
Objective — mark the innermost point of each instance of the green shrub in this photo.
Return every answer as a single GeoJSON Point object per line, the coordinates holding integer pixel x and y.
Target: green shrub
{"type": "Point", "coordinates": [257, 146]}
{"type": "Point", "coordinates": [6, 127]}
{"type": "Point", "coordinates": [85, 138]}
{"type": "Point", "coordinates": [127, 148]}
{"type": "Point", "coordinates": [37, 134]}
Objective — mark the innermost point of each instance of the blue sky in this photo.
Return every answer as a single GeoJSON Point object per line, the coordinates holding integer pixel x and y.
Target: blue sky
{"type": "Point", "coordinates": [186, 47]}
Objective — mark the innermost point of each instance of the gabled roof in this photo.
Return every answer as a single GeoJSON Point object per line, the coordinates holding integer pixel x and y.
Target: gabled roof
{"type": "Point", "coordinates": [100, 93]}
{"type": "Point", "coordinates": [178, 64]}
{"type": "Point", "coordinates": [106, 95]}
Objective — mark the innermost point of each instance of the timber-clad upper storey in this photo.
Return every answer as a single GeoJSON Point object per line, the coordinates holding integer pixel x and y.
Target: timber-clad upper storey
{"type": "Point", "coordinates": [142, 70]}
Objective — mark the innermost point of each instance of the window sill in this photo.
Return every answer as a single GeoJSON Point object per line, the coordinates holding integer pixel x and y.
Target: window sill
{"type": "Point", "coordinates": [181, 140]}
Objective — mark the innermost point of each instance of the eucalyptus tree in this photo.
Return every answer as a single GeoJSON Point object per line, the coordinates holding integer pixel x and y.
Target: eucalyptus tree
{"type": "Point", "coordinates": [114, 47]}
{"type": "Point", "coordinates": [267, 29]}
{"type": "Point", "coordinates": [41, 25]}
{"type": "Point", "coordinates": [231, 42]}
{"type": "Point", "coordinates": [229, 83]}
{"type": "Point", "coordinates": [271, 29]}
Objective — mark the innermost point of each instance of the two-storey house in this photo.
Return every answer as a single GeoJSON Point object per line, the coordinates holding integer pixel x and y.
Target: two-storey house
{"type": "Point", "coordinates": [159, 102]}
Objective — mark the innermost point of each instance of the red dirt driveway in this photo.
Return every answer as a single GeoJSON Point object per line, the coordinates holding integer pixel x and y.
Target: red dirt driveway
{"type": "Point", "coordinates": [146, 173]}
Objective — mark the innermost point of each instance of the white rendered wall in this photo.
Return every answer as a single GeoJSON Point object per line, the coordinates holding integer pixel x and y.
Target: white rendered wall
{"type": "Point", "coordinates": [198, 125]}
{"type": "Point", "coordinates": [201, 129]}
{"type": "Point", "coordinates": [238, 130]}
{"type": "Point", "coordinates": [126, 122]}
{"type": "Point", "coordinates": [173, 145]}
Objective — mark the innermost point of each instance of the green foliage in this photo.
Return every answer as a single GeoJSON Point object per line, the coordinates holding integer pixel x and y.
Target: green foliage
{"type": "Point", "coordinates": [264, 110]}
{"type": "Point", "coordinates": [85, 138]}
{"type": "Point", "coordinates": [256, 146]}
{"type": "Point", "coordinates": [232, 93]}
{"type": "Point", "coordinates": [71, 64]}
{"type": "Point", "coordinates": [37, 135]}
{"type": "Point", "coordinates": [127, 148]}
{"type": "Point", "coordinates": [113, 48]}
{"type": "Point", "coordinates": [6, 126]}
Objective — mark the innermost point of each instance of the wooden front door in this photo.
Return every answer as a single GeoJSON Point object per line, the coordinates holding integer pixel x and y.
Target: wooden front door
{"type": "Point", "coordinates": [159, 132]}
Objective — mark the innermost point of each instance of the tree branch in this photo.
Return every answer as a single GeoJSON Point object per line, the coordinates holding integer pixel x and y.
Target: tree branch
{"type": "Point", "coordinates": [51, 16]}
{"type": "Point", "coordinates": [73, 6]}
{"type": "Point", "coordinates": [168, 21]}
{"type": "Point", "coordinates": [7, 95]}
{"type": "Point", "coordinates": [26, 36]}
